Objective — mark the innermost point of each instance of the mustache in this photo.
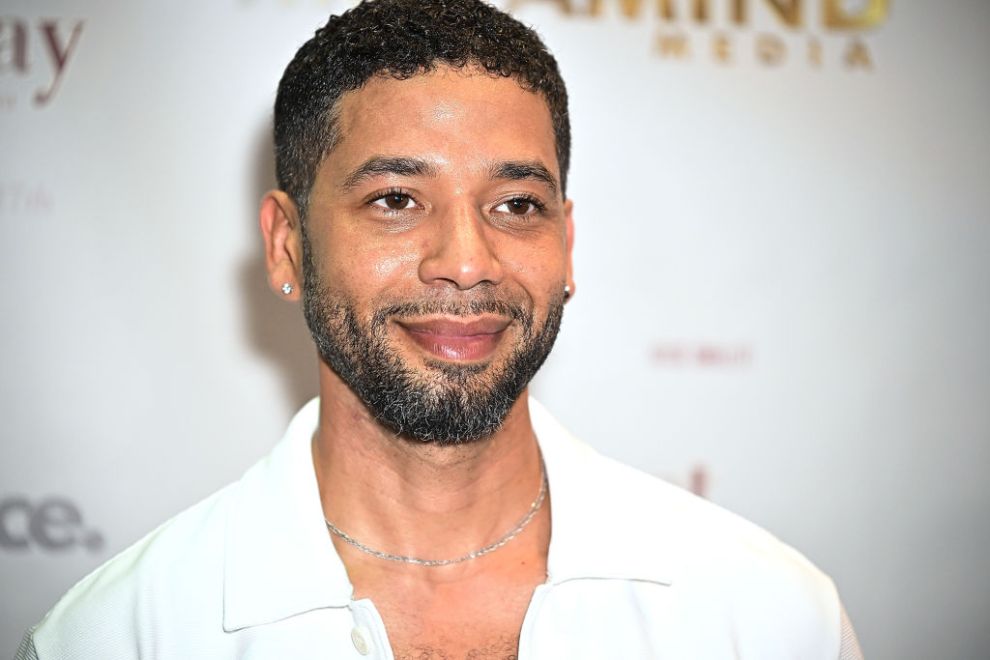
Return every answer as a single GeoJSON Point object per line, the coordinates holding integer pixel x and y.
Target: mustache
{"type": "Point", "coordinates": [448, 307]}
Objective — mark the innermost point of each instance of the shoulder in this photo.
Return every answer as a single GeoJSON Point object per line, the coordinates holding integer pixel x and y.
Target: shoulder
{"type": "Point", "coordinates": [714, 548]}
{"type": "Point", "coordinates": [736, 574]}
{"type": "Point", "coordinates": [663, 524]}
{"type": "Point", "coordinates": [698, 536]}
{"type": "Point", "coordinates": [717, 569]}
{"type": "Point", "coordinates": [172, 573]}
{"type": "Point", "coordinates": [253, 553]}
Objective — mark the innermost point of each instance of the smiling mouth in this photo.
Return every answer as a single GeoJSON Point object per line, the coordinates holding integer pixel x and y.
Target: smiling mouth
{"type": "Point", "coordinates": [457, 339]}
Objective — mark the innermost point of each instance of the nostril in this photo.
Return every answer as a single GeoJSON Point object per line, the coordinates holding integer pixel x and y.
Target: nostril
{"type": "Point", "coordinates": [462, 255]}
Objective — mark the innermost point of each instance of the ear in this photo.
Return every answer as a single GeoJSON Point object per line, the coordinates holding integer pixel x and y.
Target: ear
{"type": "Point", "coordinates": [569, 220]}
{"type": "Point", "coordinates": [282, 234]}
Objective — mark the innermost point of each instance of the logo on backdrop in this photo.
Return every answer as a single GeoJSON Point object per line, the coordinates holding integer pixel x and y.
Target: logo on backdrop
{"type": "Point", "coordinates": [34, 57]}
{"type": "Point", "coordinates": [52, 524]}
{"type": "Point", "coordinates": [25, 199]}
{"type": "Point", "coordinates": [698, 480]}
{"type": "Point", "coordinates": [706, 355]}
{"type": "Point", "coordinates": [816, 33]}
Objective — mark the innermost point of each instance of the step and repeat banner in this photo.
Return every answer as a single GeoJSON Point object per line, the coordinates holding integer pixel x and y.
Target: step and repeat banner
{"type": "Point", "coordinates": [782, 260]}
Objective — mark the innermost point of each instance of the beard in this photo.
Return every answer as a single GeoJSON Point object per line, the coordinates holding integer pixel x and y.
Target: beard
{"type": "Point", "coordinates": [449, 403]}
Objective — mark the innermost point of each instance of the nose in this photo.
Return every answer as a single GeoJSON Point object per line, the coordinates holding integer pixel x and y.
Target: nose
{"type": "Point", "coordinates": [460, 252]}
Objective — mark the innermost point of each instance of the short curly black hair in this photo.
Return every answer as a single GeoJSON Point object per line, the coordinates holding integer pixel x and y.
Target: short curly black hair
{"type": "Point", "coordinates": [401, 38]}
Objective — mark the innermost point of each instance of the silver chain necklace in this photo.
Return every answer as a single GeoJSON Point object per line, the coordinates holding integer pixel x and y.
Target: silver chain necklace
{"type": "Point", "coordinates": [513, 533]}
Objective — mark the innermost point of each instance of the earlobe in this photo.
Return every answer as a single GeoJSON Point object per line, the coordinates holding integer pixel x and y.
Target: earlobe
{"type": "Point", "coordinates": [279, 220]}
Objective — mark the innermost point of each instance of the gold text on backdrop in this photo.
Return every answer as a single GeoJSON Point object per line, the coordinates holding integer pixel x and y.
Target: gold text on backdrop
{"type": "Point", "coordinates": [816, 31]}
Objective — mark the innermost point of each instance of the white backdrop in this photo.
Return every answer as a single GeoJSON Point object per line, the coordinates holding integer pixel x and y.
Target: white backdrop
{"type": "Point", "coordinates": [782, 265]}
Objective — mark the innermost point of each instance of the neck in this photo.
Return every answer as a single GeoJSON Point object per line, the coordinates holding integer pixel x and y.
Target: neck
{"type": "Point", "coordinates": [417, 499]}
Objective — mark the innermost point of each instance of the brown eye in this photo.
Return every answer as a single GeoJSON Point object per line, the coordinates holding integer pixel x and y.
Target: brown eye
{"type": "Point", "coordinates": [394, 202]}
{"type": "Point", "coordinates": [397, 202]}
{"type": "Point", "coordinates": [519, 206]}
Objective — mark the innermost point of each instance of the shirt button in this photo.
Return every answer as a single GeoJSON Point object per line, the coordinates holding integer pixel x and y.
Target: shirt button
{"type": "Point", "coordinates": [360, 637]}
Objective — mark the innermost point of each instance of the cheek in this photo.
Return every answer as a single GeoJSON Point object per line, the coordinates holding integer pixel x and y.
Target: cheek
{"type": "Point", "coordinates": [389, 265]}
{"type": "Point", "coordinates": [540, 268]}
{"type": "Point", "coordinates": [374, 266]}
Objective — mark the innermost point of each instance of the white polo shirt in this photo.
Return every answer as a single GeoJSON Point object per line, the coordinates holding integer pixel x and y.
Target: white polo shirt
{"type": "Point", "coordinates": [637, 568]}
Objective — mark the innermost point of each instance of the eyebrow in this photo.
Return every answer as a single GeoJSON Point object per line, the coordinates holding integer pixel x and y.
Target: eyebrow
{"type": "Point", "coordinates": [397, 165]}
{"type": "Point", "coordinates": [525, 170]}
{"type": "Point", "coordinates": [405, 166]}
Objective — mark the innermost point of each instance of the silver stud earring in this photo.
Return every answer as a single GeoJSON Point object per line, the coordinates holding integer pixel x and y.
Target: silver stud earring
{"type": "Point", "coordinates": [286, 288]}
{"type": "Point", "coordinates": [567, 292]}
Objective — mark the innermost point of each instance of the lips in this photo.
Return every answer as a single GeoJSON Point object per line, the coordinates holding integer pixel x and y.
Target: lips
{"type": "Point", "coordinates": [457, 339]}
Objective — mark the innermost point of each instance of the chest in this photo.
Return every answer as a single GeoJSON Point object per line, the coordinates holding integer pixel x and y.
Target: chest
{"type": "Point", "coordinates": [457, 620]}
{"type": "Point", "coordinates": [580, 620]}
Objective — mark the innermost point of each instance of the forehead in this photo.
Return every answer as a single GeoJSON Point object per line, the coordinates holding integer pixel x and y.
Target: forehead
{"type": "Point", "coordinates": [450, 116]}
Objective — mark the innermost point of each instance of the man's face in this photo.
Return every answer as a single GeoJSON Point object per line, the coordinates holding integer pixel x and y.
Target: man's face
{"type": "Point", "coordinates": [437, 249]}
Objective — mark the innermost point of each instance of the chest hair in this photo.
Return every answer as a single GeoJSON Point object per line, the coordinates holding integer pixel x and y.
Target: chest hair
{"type": "Point", "coordinates": [502, 648]}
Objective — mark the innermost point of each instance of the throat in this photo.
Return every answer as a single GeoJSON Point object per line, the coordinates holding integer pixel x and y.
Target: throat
{"type": "Point", "coordinates": [515, 531]}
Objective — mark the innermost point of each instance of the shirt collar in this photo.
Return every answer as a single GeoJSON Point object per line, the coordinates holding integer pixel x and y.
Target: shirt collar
{"type": "Point", "coordinates": [598, 528]}
{"type": "Point", "coordinates": [279, 560]}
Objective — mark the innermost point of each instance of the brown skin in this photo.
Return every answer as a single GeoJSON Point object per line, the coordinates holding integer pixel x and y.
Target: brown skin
{"type": "Point", "coordinates": [452, 236]}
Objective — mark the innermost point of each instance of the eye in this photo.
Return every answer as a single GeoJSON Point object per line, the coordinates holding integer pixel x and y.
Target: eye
{"type": "Point", "coordinates": [520, 206]}
{"type": "Point", "coordinates": [394, 201]}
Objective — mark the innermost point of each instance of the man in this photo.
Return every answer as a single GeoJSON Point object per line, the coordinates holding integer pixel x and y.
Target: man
{"type": "Point", "coordinates": [423, 506]}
